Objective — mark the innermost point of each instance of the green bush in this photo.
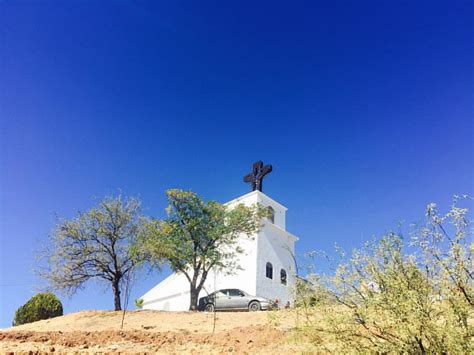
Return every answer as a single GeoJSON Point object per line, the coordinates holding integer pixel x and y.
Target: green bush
{"type": "Point", "coordinates": [139, 303]}
{"type": "Point", "coordinates": [40, 306]}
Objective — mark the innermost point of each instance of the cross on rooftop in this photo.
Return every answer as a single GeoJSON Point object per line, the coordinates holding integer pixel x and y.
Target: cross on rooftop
{"type": "Point", "coordinates": [259, 171]}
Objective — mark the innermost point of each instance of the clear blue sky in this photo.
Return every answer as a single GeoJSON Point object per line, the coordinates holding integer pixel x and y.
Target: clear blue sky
{"type": "Point", "coordinates": [363, 108]}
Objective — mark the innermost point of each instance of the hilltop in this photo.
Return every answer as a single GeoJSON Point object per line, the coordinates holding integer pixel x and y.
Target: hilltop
{"type": "Point", "coordinates": [151, 332]}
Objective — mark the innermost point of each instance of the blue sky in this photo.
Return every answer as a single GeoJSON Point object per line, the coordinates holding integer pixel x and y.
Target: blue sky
{"type": "Point", "coordinates": [363, 108]}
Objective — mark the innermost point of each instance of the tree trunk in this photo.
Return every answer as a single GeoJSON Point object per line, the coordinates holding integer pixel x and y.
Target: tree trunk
{"type": "Point", "coordinates": [116, 289]}
{"type": "Point", "coordinates": [194, 293]}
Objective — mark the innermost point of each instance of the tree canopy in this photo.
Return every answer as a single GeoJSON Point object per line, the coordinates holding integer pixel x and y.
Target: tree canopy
{"type": "Point", "coordinates": [94, 246]}
{"type": "Point", "coordinates": [197, 236]}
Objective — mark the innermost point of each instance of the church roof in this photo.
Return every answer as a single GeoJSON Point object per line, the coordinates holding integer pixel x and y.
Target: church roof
{"type": "Point", "coordinates": [260, 194]}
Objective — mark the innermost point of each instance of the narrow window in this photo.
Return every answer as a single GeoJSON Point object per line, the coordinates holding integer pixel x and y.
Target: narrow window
{"type": "Point", "coordinates": [283, 276]}
{"type": "Point", "coordinates": [271, 215]}
{"type": "Point", "coordinates": [269, 270]}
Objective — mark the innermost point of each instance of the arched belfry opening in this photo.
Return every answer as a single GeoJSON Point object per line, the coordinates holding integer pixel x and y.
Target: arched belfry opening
{"type": "Point", "coordinates": [271, 214]}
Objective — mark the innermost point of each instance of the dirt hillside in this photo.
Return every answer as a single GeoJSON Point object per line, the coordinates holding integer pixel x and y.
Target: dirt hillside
{"type": "Point", "coordinates": [154, 332]}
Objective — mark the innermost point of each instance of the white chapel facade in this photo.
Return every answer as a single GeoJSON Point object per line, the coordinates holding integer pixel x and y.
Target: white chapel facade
{"type": "Point", "coordinates": [267, 266]}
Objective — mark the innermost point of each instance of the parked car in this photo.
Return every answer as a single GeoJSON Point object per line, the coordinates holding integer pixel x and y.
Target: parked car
{"type": "Point", "coordinates": [233, 299]}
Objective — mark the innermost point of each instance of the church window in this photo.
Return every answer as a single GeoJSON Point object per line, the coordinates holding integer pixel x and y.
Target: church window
{"type": "Point", "coordinates": [271, 216]}
{"type": "Point", "coordinates": [283, 276]}
{"type": "Point", "coordinates": [269, 270]}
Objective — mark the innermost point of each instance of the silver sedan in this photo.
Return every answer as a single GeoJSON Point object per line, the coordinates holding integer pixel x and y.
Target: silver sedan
{"type": "Point", "coordinates": [233, 299]}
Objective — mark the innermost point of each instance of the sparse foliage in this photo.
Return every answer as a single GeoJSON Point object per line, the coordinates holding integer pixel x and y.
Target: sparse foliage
{"type": "Point", "coordinates": [397, 298]}
{"type": "Point", "coordinates": [94, 246]}
{"type": "Point", "coordinates": [197, 236]}
{"type": "Point", "coordinates": [39, 307]}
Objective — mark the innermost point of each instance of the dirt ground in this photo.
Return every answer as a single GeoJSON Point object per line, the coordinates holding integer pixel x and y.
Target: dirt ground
{"type": "Point", "coordinates": [155, 332]}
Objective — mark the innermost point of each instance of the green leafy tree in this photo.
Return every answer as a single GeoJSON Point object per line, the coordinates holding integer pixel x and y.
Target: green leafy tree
{"type": "Point", "coordinates": [197, 236]}
{"type": "Point", "coordinates": [39, 307]}
{"type": "Point", "coordinates": [94, 246]}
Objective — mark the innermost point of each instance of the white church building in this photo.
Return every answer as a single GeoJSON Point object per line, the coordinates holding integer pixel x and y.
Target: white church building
{"type": "Point", "coordinates": [267, 267]}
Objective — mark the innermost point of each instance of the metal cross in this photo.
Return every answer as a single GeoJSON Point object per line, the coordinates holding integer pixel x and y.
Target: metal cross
{"type": "Point", "coordinates": [258, 173]}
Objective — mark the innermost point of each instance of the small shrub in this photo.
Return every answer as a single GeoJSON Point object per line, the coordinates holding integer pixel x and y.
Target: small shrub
{"type": "Point", "coordinates": [273, 317]}
{"type": "Point", "coordinates": [40, 306]}
{"type": "Point", "coordinates": [139, 303]}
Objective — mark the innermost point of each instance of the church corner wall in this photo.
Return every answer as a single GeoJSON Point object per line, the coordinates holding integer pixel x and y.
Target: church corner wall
{"type": "Point", "coordinates": [277, 248]}
{"type": "Point", "coordinates": [274, 245]}
{"type": "Point", "coordinates": [280, 210]}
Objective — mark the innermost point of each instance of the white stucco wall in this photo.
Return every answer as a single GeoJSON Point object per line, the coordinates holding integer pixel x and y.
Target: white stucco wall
{"type": "Point", "coordinates": [276, 247]}
{"type": "Point", "coordinates": [272, 244]}
{"type": "Point", "coordinates": [172, 294]}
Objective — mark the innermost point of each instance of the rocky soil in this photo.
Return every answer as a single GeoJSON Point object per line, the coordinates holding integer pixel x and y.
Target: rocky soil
{"type": "Point", "coordinates": [150, 332]}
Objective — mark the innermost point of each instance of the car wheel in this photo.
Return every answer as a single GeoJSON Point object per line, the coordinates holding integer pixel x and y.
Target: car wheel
{"type": "Point", "coordinates": [254, 306]}
{"type": "Point", "coordinates": [209, 308]}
